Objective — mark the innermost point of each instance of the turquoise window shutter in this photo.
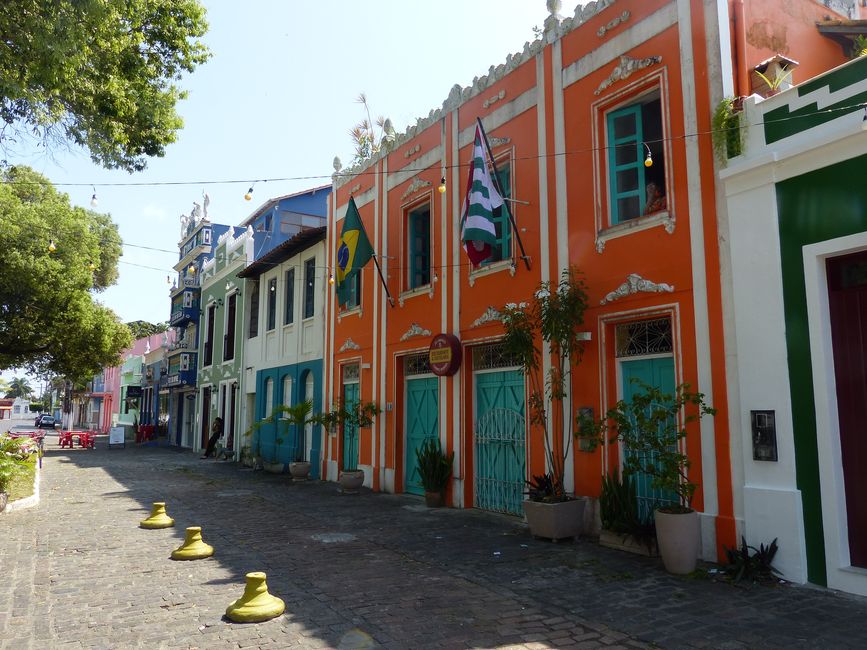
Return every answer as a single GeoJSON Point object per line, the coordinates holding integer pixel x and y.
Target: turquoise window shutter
{"type": "Point", "coordinates": [625, 164]}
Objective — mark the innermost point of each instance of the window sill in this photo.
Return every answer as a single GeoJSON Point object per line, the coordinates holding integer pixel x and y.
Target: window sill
{"type": "Point", "coordinates": [353, 311]}
{"type": "Point", "coordinates": [662, 218]}
{"type": "Point", "coordinates": [426, 289]}
{"type": "Point", "coordinates": [494, 267]}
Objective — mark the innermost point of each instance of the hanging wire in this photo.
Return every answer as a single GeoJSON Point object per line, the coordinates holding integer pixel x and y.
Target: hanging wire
{"type": "Point", "coordinates": [373, 172]}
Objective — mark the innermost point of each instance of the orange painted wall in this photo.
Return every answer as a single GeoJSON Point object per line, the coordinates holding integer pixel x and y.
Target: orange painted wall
{"type": "Point", "coordinates": [658, 250]}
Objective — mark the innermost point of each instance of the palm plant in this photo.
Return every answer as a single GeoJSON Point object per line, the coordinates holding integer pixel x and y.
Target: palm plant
{"type": "Point", "coordinates": [19, 387]}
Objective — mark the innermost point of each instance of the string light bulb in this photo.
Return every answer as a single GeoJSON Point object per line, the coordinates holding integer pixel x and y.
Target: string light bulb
{"type": "Point", "coordinates": [648, 161]}
{"type": "Point", "coordinates": [93, 200]}
{"type": "Point", "coordinates": [436, 277]}
{"type": "Point", "coordinates": [442, 185]}
{"type": "Point", "coordinates": [330, 278]}
{"type": "Point", "coordinates": [249, 195]}
{"type": "Point", "coordinates": [191, 269]}
{"type": "Point", "coordinates": [51, 246]}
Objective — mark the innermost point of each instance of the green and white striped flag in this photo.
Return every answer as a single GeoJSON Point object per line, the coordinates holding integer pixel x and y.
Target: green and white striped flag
{"type": "Point", "coordinates": [481, 205]}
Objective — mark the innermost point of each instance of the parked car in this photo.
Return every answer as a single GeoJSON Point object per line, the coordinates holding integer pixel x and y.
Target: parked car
{"type": "Point", "coordinates": [45, 422]}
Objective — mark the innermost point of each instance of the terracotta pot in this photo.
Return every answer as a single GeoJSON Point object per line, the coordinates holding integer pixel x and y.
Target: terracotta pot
{"type": "Point", "coordinates": [299, 470]}
{"type": "Point", "coordinates": [679, 540]}
{"type": "Point", "coordinates": [434, 499]}
{"type": "Point", "coordinates": [555, 521]}
{"type": "Point", "coordinates": [350, 481]}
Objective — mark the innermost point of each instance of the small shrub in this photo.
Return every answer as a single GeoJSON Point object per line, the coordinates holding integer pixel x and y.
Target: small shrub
{"type": "Point", "coordinates": [756, 566]}
{"type": "Point", "coordinates": [434, 466]}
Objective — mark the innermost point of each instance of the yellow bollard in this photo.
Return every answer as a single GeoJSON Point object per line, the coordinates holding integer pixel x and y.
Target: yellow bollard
{"type": "Point", "coordinates": [193, 547]}
{"type": "Point", "coordinates": [158, 518]}
{"type": "Point", "coordinates": [256, 605]}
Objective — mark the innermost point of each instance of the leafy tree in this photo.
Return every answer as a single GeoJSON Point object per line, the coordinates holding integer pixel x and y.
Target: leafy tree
{"type": "Point", "coordinates": [141, 328]}
{"type": "Point", "coordinates": [19, 387]}
{"type": "Point", "coordinates": [98, 73]}
{"type": "Point", "coordinates": [49, 320]}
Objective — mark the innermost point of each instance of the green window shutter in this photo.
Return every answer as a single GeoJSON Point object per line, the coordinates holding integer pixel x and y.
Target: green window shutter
{"type": "Point", "coordinates": [419, 247]}
{"type": "Point", "coordinates": [625, 164]}
{"type": "Point", "coordinates": [502, 250]}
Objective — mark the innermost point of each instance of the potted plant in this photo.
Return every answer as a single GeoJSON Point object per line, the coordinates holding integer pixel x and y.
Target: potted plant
{"type": "Point", "coordinates": [553, 317]}
{"type": "Point", "coordinates": [623, 527]}
{"type": "Point", "coordinates": [435, 469]}
{"type": "Point", "coordinates": [651, 428]}
{"type": "Point", "coordinates": [358, 415]}
{"type": "Point", "coordinates": [298, 415]}
{"type": "Point", "coordinates": [14, 456]}
{"type": "Point", "coordinates": [269, 463]}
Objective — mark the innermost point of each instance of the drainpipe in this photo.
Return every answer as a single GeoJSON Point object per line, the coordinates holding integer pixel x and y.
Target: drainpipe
{"type": "Point", "coordinates": [742, 74]}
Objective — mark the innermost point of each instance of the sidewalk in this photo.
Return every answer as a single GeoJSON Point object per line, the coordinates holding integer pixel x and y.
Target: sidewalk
{"type": "Point", "coordinates": [355, 571]}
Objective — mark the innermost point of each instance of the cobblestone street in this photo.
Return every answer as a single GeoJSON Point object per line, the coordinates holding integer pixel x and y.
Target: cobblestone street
{"type": "Point", "coordinates": [355, 571]}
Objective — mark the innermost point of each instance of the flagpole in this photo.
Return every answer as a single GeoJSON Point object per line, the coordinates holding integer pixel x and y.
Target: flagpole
{"type": "Point", "coordinates": [524, 255]}
{"type": "Point", "coordinates": [382, 278]}
{"type": "Point", "coordinates": [376, 263]}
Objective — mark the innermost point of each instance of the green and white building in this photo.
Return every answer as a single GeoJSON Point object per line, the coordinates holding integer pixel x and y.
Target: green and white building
{"type": "Point", "coordinates": [220, 358]}
{"type": "Point", "coordinates": [794, 238]}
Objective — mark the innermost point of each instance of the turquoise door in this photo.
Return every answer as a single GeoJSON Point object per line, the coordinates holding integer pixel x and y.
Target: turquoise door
{"type": "Point", "coordinates": [422, 423]}
{"type": "Point", "coordinates": [654, 372]}
{"type": "Point", "coordinates": [350, 432]}
{"type": "Point", "coordinates": [500, 441]}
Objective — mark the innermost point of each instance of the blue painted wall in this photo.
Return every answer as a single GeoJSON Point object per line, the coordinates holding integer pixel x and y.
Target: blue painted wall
{"type": "Point", "coordinates": [309, 209]}
{"type": "Point", "coordinates": [267, 433]}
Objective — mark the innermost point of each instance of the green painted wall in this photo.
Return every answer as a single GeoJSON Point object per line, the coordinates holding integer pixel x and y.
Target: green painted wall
{"type": "Point", "coordinates": [821, 205]}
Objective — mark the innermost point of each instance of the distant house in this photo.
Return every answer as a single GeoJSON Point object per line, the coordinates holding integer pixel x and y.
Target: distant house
{"type": "Point", "coordinates": [20, 408]}
{"type": "Point", "coordinates": [6, 408]}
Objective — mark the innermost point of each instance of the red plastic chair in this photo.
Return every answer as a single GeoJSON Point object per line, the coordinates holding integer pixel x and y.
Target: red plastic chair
{"type": "Point", "coordinates": [65, 439]}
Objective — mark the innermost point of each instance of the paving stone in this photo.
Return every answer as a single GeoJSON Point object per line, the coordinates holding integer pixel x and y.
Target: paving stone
{"type": "Point", "coordinates": [361, 571]}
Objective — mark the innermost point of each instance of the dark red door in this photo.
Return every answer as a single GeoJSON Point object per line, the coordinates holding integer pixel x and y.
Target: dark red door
{"type": "Point", "coordinates": [847, 297]}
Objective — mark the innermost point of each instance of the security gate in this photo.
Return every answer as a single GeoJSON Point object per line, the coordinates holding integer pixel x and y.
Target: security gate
{"type": "Point", "coordinates": [350, 431]}
{"type": "Point", "coordinates": [499, 432]}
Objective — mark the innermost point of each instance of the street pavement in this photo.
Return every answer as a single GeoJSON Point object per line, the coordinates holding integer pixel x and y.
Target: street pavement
{"type": "Point", "coordinates": [371, 570]}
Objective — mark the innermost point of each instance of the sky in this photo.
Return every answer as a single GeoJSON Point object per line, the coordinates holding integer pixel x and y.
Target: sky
{"type": "Point", "coordinates": [277, 100]}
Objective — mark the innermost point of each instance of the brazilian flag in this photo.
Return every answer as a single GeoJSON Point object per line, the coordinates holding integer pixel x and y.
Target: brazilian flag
{"type": "Point", "coordinates": [353, 252]}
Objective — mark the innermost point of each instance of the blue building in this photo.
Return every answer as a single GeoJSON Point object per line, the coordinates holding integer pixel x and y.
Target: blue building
{"type": "Point", "coordinates": [283, 329]}
{"type": "Point", "coordinates": [198, 239]}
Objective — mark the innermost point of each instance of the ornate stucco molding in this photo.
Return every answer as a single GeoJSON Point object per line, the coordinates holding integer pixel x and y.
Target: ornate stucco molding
{"type": "Point", "coordinates": [625, 68]}
{"type": "Point", "coordinates": [491, 315]}
{"type": "Point", "coordinates": [611, 24]}
{"type": "Point", "coordinates": [414, 187]}
{"type": "Point", "coordinates": [499, 142]}
{"type": "Point", "coordinates": [349, 344]}
{"type": "Point", "coordinates": [636, 284]}
{"type": "Point", "coordinates": [556, 26]}
{"type": "Point", "coordinates": [414, 330]}
{"type": "Point", "coordinates": [493, 99]}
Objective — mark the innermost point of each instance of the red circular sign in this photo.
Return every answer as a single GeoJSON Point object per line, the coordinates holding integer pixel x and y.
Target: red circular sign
{"type": "Point", "coordinates": [445, 355]}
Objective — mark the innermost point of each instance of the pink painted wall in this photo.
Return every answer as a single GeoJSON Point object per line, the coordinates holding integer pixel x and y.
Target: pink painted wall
{"type": "Point", "coordinates": [112, 375]}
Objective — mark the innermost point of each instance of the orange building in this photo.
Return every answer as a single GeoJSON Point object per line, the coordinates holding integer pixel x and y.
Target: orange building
{"type": "Point", "coordinates": [572, 120]}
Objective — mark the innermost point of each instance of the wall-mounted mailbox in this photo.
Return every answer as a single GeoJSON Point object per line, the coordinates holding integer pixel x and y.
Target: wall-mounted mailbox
{"type": "Point", "coordinates": [764, 435]}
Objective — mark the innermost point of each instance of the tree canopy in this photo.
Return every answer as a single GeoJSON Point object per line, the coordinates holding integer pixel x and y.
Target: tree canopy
{"type": "Point", "coordinates": [49, 319]}
{"type": "Point", "coordinates": [141, 328]}
{"type": "Point", "coordinates": [97, 73]}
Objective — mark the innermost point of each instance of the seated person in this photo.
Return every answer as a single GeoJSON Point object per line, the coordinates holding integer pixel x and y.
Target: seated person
{"type": "Point", "coordinates": [655, 199]}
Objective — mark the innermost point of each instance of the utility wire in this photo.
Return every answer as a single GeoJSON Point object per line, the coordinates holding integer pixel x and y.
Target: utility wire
{"type": "Point", "coordinates": [347, 174]}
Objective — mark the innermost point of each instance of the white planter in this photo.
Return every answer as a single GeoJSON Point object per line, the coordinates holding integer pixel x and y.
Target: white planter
{"type": "Point", "coordinates": [555, 520]}
{"type": "Point", "coordinates": [273, 468]}
{"type": "Point", "coordinates": [299, 470]}
{"type": "Point", "coordinates": [351, 481]}
{"type": "Point", "coordinates": [679, 540]}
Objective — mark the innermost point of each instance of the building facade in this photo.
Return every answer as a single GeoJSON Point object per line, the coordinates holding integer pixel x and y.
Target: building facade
{"type": "Point", "coordinates": [283, 334]}
{"type": "Point", "coordinates": [198, 236]}
{"type": "Point", "coordinates": [221, 344]}
{"type": "Point", "coordinates": [595, 132]}
{"type": "Point", "coordinates": [796, 241]}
